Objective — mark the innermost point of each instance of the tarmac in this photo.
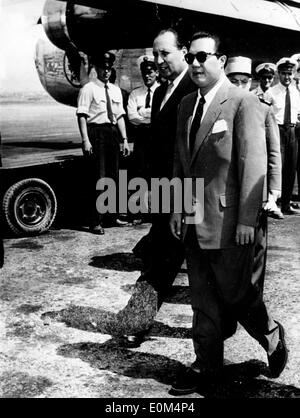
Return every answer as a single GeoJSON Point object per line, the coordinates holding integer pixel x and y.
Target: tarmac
{"type": "Point", "coordinates": [55, 289]}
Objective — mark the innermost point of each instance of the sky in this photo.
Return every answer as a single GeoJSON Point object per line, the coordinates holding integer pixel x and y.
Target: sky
{"type": "Point", "coordinates": [18, 36]}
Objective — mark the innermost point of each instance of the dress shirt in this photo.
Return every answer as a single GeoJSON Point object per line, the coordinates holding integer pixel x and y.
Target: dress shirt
{"type": "Point", "coordinates": [278, 93]}
{"type": "Point", "coordinates": [92, 102]}
{"type": "Point", "coordinates": [209, 96]}
{"type": "Point", "coordinates": [137, 113]}
{"type": "Point", "coordinates": [173, 84]}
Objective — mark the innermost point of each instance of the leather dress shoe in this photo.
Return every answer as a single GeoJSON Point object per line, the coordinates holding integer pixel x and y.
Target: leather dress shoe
{"type": "Point", "coordinates": [133, 341]}
{"type": "Point", "coordinates": [187, 382]}
{"type": "Point", "coordinates": [289, 210]}
{"type": "Point", "coordinates": [138, 221]}
{"type": "Point", "coordinates": [276, 214]}
{"type": "Point", "coordinates": [97, 229]}
{"type": "Point", "coordinates": [295, 205]}
{"type": "Point", "coordinates": [277, 360]}
{"type": "Point", "coordinates": [121, 222]}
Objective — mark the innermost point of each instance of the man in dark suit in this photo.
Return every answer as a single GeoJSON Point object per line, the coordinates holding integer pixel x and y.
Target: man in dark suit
{"type": "Point", "coordinates": [221, 139]}
{"type": "Point", "coordinates": [162, 254]}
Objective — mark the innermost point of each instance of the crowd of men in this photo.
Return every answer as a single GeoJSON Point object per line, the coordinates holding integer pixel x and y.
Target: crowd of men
{"type": "Point", "coordinates": [195, 123]}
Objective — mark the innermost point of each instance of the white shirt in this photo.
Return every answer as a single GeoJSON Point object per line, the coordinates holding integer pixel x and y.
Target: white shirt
{"type": "Point", "coordinates": [92, 102]}
{"type": "Point", "coordinates": [172, 86]}
{"type": "Point", "coordinates": [209, 96]}
{"type": "Point", "coordinates": [137, 113]}
{"type": "Point", "coordinates": [265, 95]}
{"type": "Point", "coordinates": [277, 94]}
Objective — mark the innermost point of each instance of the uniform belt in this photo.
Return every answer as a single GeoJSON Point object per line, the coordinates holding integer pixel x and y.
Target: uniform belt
{"type": "Point", "coordinates": [142, 126]}
{"type": "Point", "coordinates": [101, 124]}
{"type": "Point", "coordinates": [287, 125]}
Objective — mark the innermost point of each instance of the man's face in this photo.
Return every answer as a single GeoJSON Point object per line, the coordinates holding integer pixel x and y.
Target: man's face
{"type": "Point", "coordinates": [149, 76]}
{"type": "Point", "coordinates": [103, 73]}
{"type": "Point", "coordinates": [285, 77]}
{"type": "Point", "coordinates": [266, 81]}
{"type": "Point", "coordinates": [240, 80]}
{"type": "Point", "coordinates": [167, 57]}
{"type": "Point", "coordinates": [205, 75]}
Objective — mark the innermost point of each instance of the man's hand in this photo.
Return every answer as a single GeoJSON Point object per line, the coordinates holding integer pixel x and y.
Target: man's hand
{"type": "Point", "coordinates": [126, 149]}
{"type": "Point", "coordinates": [175, 224]}
{"type": "Point", "coordinates": [87, 147]}
{"type": "Point", "coordinates": [244, 234]}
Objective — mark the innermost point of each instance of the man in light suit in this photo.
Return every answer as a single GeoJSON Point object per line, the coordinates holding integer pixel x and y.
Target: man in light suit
{"type": "Point", "coordinates": [238, 70]}
{"type": "Point", "coordinates": [221, 139]}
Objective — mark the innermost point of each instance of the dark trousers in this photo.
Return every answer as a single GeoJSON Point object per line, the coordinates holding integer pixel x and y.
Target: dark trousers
{"type": "Point", "coordinates": [297, 133]}
{"type": "Point", "coordinates": [289, 153]}
{"type": "Point", "coordinates": [141, 151]}
{"type": "Point", "coordinates": [104, 160]}
{"type": "Point", "coordinates": [163, 256]}
{"type": "Point", "coordinates": [220, 283]}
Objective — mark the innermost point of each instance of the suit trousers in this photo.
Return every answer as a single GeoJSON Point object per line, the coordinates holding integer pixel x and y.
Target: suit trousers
{"type": "Point", "coordinates": [141, 151]}
{"type": "Point", "coordinates": [104, 162]}
{"type": "Point", "coordinates": [220, 284]}
{"type": "Point", "coordinates": [289, 153]}
{"type": "Point", "coordinates": [165, 257]}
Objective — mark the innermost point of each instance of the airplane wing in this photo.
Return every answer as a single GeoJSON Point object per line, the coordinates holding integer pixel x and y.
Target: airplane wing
{"type": "Point", "coordinates": [275, 13]}
{"type": "Point", "coordinates": [284, 15]}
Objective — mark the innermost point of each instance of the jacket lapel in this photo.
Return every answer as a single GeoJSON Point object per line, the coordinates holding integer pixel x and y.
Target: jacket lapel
{"type": "Point", "coordinates": [176, 96]}
{"type": "Point", "coordinates": [210, 117]}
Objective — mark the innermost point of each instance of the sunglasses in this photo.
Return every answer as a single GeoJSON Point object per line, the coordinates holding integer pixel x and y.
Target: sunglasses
{"type": "Point", "coordinates": [200, 56]}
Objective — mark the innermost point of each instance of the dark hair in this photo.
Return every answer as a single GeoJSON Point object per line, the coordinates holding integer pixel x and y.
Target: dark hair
{"type": "Point", "coordinates": [179, 41]}
{"type": "Point", "coordinates": [202, 34]}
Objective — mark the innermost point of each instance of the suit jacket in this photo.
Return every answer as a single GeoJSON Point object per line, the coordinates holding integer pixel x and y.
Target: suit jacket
{"type": "Point", "coordinates": [230, 155]}
{"type": "Point", "coordinates": [273, 148]}
{"type": "Point", "coordinates": [163, 126]}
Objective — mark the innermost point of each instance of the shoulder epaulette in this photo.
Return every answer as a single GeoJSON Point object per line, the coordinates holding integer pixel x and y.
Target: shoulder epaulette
{"type": "Point", "coordinates": [262, 100]}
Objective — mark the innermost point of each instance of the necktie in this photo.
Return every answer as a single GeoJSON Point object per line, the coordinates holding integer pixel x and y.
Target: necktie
{"type": "Point", "coordinates": [167, 95]}
{"type": "Point", "coordinates": [196, 123]}
{"type": "Point", "coordinates": [108, 105]}
{"type": "Point", "coordinates": [148, 97]}
{"type": "Point", "coordinates": [287, 108]}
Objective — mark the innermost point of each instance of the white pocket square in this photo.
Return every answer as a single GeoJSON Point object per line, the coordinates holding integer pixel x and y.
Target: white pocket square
{"type": "Point", "coordinates": [219, 126]}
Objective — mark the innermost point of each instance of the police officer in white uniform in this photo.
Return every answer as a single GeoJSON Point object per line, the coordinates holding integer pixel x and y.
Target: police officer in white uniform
{"type": "Point", "coordinates": [286, 105]}
{"type": "Point", "coordinates": [266, 73]}
{"type": "Point", "coordinates": [101, 123]}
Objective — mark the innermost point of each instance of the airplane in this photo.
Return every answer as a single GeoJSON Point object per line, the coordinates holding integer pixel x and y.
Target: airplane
{"type": "Point", "coordinates": [264, 30]}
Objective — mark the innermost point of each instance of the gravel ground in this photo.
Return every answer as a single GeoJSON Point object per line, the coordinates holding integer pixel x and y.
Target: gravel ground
{"type": "Point", "coordinates": [57, 290]}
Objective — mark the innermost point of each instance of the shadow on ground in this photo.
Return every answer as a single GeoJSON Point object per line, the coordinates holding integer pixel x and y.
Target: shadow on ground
{"type": "Point", "coordinates": [117, 261]}
{"type": "Point", "coordinates": [237, 381]}
{"type": "Point", "coordinates": [120, 262]}
{"type": "Point", "coordinates": [99, 320]}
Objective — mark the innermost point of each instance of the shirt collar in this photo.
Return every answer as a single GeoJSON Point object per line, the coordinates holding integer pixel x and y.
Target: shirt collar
{"type": "Point", "coordinates": [153, 87]}
{"type": "Point", "coordinates": [178, 78]}
{"type": "Point", "coordinates": [100, 83]}
{"type": "Point", "coordinates": [281, 86]}
{"type": "Point", "coordinates": [211, 94]}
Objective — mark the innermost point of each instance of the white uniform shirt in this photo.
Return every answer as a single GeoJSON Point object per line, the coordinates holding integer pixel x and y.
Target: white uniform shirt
{"type": "Point", "coordinates": [92, 102]}
{"type": "Point", "coordinates": [277, 94]}
{"type": "Point", "coordinates": [137, 113]}
{"type": "Point", "coordinates": [265, 95]}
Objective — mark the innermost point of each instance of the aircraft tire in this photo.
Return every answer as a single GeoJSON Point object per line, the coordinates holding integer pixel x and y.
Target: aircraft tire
{"type": "Point", "coordinates": [29, 207]}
